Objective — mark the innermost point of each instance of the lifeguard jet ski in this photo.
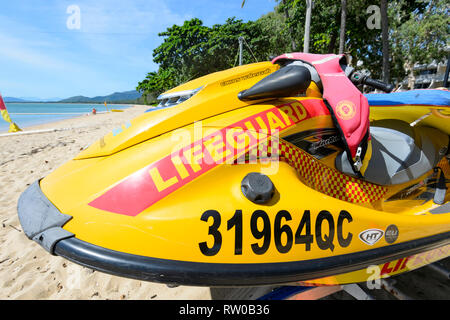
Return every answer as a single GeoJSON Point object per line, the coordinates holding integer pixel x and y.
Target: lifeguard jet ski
{"type": "Point", "coordinates": [269, 173]}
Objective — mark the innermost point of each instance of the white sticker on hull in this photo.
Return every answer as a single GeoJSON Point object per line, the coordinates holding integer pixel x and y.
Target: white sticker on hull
{"type": "Point", "coordinates": [371, 236]}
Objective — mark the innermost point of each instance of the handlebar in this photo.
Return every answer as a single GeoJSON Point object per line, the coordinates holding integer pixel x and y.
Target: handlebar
{"type": "Point", "coordinates": [386, 87]}
{"type": "Point", "coordinates": [359, 78]}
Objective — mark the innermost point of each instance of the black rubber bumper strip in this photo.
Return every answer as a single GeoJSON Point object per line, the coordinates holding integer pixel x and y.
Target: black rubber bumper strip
{"type": "Point", "coordinates": [229, 274]}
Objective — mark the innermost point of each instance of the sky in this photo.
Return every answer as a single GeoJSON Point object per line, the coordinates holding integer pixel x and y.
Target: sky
{"type": "Point", "coordinates": [58, 49]}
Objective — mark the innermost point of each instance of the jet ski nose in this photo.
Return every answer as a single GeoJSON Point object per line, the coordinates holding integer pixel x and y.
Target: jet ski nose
{"type": "Point", "coordinates": [41, 221]}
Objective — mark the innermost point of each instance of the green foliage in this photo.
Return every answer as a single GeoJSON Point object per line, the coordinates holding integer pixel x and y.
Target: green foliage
{"type": "Point", "coordinates": [418, 32]}
{"type": "Point", "coordinates": [325, 22]}
{"type": "Point", "coordinates": [193, 50]}
{"type": "Point", "coordinates": [420, 35]}
{"type": "Point", "coordinates": [156, 83]}
{"type": "Point", "coordinates": [276, 32]}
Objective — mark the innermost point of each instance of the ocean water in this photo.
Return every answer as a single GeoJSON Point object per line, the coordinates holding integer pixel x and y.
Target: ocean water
{"type": "Point", "coordinates": [40, 113]}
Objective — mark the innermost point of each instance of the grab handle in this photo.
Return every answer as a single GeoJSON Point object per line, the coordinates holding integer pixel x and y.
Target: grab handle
{"type": "Point", "coordinates": [386, 87]}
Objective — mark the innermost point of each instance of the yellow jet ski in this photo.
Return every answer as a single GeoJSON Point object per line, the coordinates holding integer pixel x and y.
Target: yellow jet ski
{"type": "Point", "coordinates": [250, 176]}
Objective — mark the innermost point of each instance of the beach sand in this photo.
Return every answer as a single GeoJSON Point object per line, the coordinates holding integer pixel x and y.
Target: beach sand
{"type": "Point", "coordinates": [27, 271]}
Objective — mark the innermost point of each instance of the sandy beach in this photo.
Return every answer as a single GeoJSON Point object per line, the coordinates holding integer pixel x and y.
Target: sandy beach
{"type": "Point", "coordinates": [27, 271]}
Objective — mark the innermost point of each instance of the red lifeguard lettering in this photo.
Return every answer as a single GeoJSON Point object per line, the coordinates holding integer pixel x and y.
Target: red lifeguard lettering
{"type": "Point", "coordinates": [216, 148]}
{"type": "Point", "coordinates": [274, 121]}
{"type": "Point", "coordinates": [164, 176]}
{"type": "Point", "coordinates": [193, 155]}
{"type": "Point", "coordinates": [159, 182]}
{"type": "Point", "coordinates": [300, 110]}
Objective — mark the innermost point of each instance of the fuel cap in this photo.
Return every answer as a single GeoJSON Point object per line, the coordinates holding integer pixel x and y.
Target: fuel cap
{"type": "Point", "coordinates": [257, 187]}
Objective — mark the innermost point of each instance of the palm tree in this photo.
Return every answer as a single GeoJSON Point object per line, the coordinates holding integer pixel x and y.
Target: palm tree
{"type": "Point", "coordinates": [385, 40]}
{"type": "Point", "coordinates": [343, 20]}
{"type": "Point", "coordinates": [307, 26]}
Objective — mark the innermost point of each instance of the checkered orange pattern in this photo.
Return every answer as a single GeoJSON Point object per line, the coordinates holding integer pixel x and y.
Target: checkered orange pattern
{"type": "Point", "coordinates": [444, 166]}
{"type": "Point", "coordinates": [328, 180]}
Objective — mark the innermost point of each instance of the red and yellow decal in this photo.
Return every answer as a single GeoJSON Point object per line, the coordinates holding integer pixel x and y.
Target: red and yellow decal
{"type": "Point", "coordinates": [160, 178]}
{"type": "Point", "coordinates": [345, 110]}
{"type": "Point", "coordinates": [415, 261]}
{"type": "Point", "coordinates": [445, 166]}
{"type": "Point", "coordinates": [385, 270]}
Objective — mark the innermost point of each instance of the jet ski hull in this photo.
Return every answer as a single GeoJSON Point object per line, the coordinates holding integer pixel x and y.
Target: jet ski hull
{"type": "Point", "coordinates": [320, 271]}
{"type": "Point", "coordinates": [169, 204]}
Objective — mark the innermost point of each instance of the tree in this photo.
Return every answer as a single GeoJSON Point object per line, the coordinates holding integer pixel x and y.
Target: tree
{"type": "Point", "coordinates": [420, 34]}
{"type": "Point", "coordinates": [385, 40]}
{"type": "Point", "coordinates": [183, 48]}
{"type": "Point", "coordinates": [291, 31]}
{"type": "Point", "coordinates": [342, 30]}
{"type": "Point", "coordinates": [279, 37]}
{"type": "Point", "coordinates": [307, 25]}
{"type": "Point", "coordinates": [193, 50]}
{"type": "Point", "coordinates": [273, 15]}
{"type": "Point", "coordinates": [417, 32]}
{"type": "Point", "coordinates": [156, 83]}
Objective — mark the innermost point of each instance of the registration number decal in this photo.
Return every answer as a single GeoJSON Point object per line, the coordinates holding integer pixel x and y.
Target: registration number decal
{"type": "Point", "coordinates": [281, 233]}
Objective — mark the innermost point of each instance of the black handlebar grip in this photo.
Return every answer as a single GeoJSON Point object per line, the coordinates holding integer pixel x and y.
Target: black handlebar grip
{"type": "Point", "coordinates": [386, 87]}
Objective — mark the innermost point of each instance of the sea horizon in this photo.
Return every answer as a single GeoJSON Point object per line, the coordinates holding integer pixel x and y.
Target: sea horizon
{"type": "Point", "coordinates": [27, 114]}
